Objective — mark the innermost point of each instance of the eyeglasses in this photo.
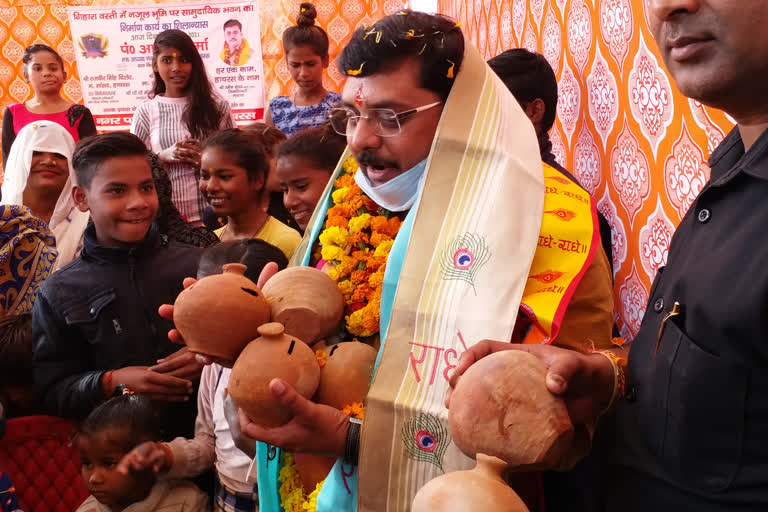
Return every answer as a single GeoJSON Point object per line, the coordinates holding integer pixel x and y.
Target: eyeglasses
{"type": "Point", "coordinates": [386, 122]}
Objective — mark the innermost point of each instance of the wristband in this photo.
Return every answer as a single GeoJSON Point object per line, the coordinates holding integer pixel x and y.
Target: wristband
{"type": "Point", "coordinates": [619, 377]}
{"type": "Point", "coordinates": [352, 442]}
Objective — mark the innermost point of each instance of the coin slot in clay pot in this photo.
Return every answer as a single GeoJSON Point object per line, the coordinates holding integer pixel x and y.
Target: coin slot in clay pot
{"type": "Point", "coordinates": [252, 292]}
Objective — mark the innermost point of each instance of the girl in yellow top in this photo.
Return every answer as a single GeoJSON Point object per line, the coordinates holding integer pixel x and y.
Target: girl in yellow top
{"type": "Point", "coordinates": [234, 166]}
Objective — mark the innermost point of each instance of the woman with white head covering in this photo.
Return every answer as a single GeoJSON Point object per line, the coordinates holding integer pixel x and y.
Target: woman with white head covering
{"type": "Point", "coordinates": [39, 175]}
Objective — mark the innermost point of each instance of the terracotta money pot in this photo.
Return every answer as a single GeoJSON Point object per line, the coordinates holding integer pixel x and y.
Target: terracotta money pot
{"type": "Point", "coordinates": [306, 301]}
{"type": "Point", "coordinates": [478, 490]}
{"type": "Point", "coordinates": [344, 380]}
{"type": "Point", "coordinates": [502, 407]}
{"type": "Point", "coordinates": [220, 314]}
{"type": "Point", "coordinates": [346, 375]}
{"type": "Point", "coordinates": [273, 355]}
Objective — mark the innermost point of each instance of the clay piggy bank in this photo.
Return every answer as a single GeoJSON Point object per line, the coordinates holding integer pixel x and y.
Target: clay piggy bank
{"type": "Point", "coordinates": [346, 375]}
{"type": "Point", "coordinates": [273, 355]}
{"type": "Point", "coordinates": [306, 301]}
{"type": "Point", "coordinates": [220, 314]}
{"type": "Point", "coordinates": [479, 490]}
{"type": "Point", "coordinates": [502, 407]}
{"type": "Point", "coordinates": [344, 380]}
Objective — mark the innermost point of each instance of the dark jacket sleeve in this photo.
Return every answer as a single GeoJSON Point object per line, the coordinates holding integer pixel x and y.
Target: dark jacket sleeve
{"type": "Point", "coordinates": [8, 134]}
{"type": "Point", "coordinates": [87, 126]}
{"type": "Point", "coordinates": [67, 385]}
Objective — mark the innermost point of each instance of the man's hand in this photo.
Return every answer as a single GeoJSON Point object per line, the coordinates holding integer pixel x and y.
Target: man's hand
{"type": "Point", "coordinates": [316, 429]}
{"type": "Point", "coordinates": [166, 311]}
{"type": "Point", "coordinates": [181, 364]}
{"type": "Point", "coordinates": [584, 381]}
{"type": "Point", "coordinates": [157, 386]}
{"type": "Point", "coordinates": [148, 456]}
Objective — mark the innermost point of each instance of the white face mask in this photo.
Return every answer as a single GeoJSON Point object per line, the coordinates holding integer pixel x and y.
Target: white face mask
{"type": "Point", "coordinates": [398, 194]}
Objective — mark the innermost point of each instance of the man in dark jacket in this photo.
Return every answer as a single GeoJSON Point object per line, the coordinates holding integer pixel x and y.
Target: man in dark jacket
{"type": "Point", "coordinates": [95, 321]}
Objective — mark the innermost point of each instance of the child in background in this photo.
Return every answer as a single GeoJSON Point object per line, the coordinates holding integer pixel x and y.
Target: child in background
{"type": "Point", "coordinates": [232, 178]}
{"type": "Point", "coordinates": [38, 175]}
{"type": "Point", "coordinates": [113, 429]}
{"type": "Point", "coordinates": [213, 444]}
{"type": "Point", "coordinates": [306, 52]}
{"type": "Point", "coordinates": [305, 163]}
{"type": "Point", "coordinates": [182, 111]}
{"type": "Point", "coordinates": [95, 321]}
{"type": "Point", "coordinates": [272, 200]}
{"type": "Point", "coordinates": [44, 71]}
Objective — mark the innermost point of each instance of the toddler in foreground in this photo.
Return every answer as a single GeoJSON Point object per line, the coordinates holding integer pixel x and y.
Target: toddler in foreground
{"type": "Point", "coordinates": [113, 429]}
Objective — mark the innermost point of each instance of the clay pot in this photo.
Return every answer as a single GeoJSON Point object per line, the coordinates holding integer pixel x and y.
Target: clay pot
{"type": "Point", "coordinates": [346, 375]}
{"type": "Point", "coordinates": [481, 489]}
{"type": "Point", "coordinates": [502, 407]}
{"type": "Point", "coordinates": [273, 355]}
{"type": "Point", "coordinates": [220, 314]}
{"type": "Point", "coordinates": [306, 301]}
{"type": "Point", "coordinates": [312, 469]}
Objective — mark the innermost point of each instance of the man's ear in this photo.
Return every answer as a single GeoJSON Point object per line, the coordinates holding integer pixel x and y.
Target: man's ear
{"type": "Point", "coordinates": [80, 198]}
{"type": "Point", "coordinates": [325, 61]}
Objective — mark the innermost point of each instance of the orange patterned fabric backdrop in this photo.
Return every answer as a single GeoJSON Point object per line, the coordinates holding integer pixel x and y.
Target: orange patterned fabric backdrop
{"type": "Point", "coordinates": [24, 22]}
{"type": "Point", "coordinates": [623, 129]}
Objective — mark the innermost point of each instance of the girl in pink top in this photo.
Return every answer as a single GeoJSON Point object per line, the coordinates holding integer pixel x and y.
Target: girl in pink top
{"type": "Point", "coordinates": [44, 71]}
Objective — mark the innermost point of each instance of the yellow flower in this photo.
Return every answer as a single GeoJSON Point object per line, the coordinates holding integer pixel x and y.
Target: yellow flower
{"type": "Point", "coordinates": [359, 223]}
{"type": "Point", "coordinates": [350, 165]}
{"type": "Point", "coordinates": [340, 195]}
{"type": "Point", "coordinates": [346, 287]}
{"type": "Point", "coordinates": [357, 322]}
{"type": "Point", "coordinates": [334, 235]}
{"type": "Point", "coordinates": [382, 251]}
{"type": "Point", "coordinates": [332, 252]}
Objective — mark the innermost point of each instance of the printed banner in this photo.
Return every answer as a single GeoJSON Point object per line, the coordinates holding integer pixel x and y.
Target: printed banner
{"type": "Point", "coordinates": [113, 46]}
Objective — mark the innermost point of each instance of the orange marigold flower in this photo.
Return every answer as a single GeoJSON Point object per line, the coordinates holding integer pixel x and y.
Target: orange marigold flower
{"type": "Point", "coordinates": [377, 278]}
{"type": "Point", "coordinates": [357, 238]}
{"type": "Point", "coordinates": [356, 306]}
{"type": "Point", "coordinates": [362, 293]}
{"type": "Point", "coordinates": [337, 221]}
{"type": "Point", "coordinates": [320, 355]}
{"type": "Point", "coordinates": [356, 409]}
{"type": "Point", "coordinates": [345, 180]}
{"type": "Point", "coordinates": [393, 226]}
{"type": "Point", "coordinates": [378, 224]}
{"type": "Point", "coordinates": [359, 276]}
{"type": "Point", "coordinates": [377, 238]}
{"type": "Point", "coordinates": [340, 210]}
{"type": "Point", "coordinates": [375, 265]}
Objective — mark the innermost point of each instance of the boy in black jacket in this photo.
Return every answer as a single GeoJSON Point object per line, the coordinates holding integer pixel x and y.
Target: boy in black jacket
{"type": "Point", "coordinates": [95, 321]}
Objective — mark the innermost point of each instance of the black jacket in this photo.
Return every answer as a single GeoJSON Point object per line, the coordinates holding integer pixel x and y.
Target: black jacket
{"type": "Point", "coordinates": [100, 313]}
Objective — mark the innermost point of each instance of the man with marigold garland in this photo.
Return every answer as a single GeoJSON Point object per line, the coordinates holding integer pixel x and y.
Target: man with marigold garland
{"type": "Point", "coordinates": [441, 229]}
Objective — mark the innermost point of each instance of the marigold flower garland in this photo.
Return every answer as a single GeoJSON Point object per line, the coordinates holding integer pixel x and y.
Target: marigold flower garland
{"type": "Point", "coordinates": [292, 497]}
{"type": "Point", "coordinates": [356, 242]}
